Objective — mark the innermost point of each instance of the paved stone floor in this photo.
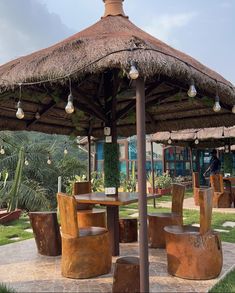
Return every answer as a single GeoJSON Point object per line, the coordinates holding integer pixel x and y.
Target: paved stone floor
{"type": "Point", "coordinates": [189, 204]}
{"type": "Point", "coordinates": [26, 271]}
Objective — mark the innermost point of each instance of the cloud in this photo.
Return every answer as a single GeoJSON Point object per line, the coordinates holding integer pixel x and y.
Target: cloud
{"type": "Point", "coordinates": [164, 26]}
{"type": "Point", "coordinates": [26, 26]}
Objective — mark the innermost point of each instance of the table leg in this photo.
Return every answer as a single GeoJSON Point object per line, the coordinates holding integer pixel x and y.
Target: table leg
{"type": "Point", "coordinates": [113, 227]}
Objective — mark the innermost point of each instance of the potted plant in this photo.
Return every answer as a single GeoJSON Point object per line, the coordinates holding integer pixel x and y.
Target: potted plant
{"type": "Point", "coordinates": [162, 184]}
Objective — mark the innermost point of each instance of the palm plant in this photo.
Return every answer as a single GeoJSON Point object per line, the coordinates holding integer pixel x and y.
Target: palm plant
{"type": "Point", "coordinates": [33, 185]}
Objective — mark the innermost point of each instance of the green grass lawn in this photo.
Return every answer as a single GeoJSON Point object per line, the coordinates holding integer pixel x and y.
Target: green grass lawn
{"type": "Point", "coordinates": [168, 197]}
{"type": "Point", "coordinates": [190, 217]}
{"type": "Point", "coordinates": [6, 289]}
{"type": "Point", "coordinates": [227, 285]}
{"type": "Point", "coordinates": [15, 229]}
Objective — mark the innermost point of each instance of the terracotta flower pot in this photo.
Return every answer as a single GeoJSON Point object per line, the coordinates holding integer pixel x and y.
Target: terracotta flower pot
{"type": "Point", "coordinates": [161, 191]}
{"type": "Point", "coordinates": [6, 217]}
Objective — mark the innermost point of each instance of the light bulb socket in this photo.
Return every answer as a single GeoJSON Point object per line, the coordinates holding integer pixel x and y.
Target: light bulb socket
{"type": "Point", "coordinates": [19, 104]}
{"type": "Point", "coordinates": [217, 98]}
{"type": "Point", "coordinates": [192, 82]}
{"type": "Point", "coordinates": [70, 97]}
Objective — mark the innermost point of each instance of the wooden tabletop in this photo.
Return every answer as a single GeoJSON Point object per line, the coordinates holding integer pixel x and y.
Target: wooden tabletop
{"type": "Point", "coordinates": [123, 198]}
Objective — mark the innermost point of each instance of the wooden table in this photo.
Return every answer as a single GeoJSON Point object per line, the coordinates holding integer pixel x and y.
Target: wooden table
{"type": "Point", "coordinates": [112, 204]}
{"type": "Point", "coordinates": [229, 182]}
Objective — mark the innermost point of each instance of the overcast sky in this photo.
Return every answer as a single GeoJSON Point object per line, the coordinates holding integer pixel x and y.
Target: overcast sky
{"type": "Point", "coordinates": [204, 29]}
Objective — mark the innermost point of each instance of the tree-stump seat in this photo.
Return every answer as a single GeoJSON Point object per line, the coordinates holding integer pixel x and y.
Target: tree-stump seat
{"type": "Point", "coordinates": [126, 277]}
{"type": "Point", "coordinates": [91, 218]}
{"type": "Point", "coordinates": [222, 198]}
{"type": "Point", "coordinates": [86, 252]}
{"type": "Point", "coordinates": [86, 214]}
{"type": "Point", "coordinates": [92, 231]}
{"type": "Point", "coordinates": [157, 221]}
{"type": "Point", "coordinates": [128, 231]}
{"type": "Point", "coordinates": [192, 252]}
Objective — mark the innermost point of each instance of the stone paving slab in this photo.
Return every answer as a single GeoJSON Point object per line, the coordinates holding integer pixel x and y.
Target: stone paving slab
{"type": "Point", "coordinates": [26, 271]}
{"type": "Point", "coordinates": [189, 204]}
{"type": "Point", "coordinates": [229, 224]}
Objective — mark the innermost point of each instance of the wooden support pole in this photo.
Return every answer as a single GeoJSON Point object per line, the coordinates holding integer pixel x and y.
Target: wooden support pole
{"type": "Point", "coordinates": [141, 152]}
{"type": "Point", "coordinates": [153, 174]}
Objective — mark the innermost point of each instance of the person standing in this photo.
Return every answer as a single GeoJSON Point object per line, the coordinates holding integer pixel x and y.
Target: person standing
{"type": "Point", "coordinates": [215, 164]}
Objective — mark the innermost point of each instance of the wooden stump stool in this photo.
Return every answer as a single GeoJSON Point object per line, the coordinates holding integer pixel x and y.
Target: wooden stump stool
{"type": "Point", "coordinates": [126, 277]}
{"type": "Point", "coordinates": [46, 232]}
{"type": "Point", "coordinates": [128, 230]}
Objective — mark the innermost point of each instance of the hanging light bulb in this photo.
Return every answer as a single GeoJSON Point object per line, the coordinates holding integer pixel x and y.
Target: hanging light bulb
{"type": "Point", "coordinates": [19, 112]}
{"type": "Point", "coordinates": [169, 139]}
{"type": "Point", "coordinates": [49, 160]}
{"type": "Point", "coordinates": [65, 151]}
{"type": "Point", "coordinates": [196, 141]}
{"type": "Point", "coordinates": [233, 109]}
{"type": "Point", "coordinates": [26, 162]}
{"type": "Point", "coordinates": [217, 106]}
{"type": "Point", "coordinates": [69, 107]}
{"type": "Point", "coordinates": [192, 92]}
{"type": "Point", "coordinates": [2, 150]}
{"type": "Point", "coordinates": [133, 73]}
{"type": "Point", "coordinates": [37, 115]}
{"type": "Point", "coordinates": [226, 148]}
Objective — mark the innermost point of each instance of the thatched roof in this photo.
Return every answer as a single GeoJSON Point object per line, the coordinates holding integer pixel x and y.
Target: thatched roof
{"type": "Point", "coordinates": [92, 58]}
{"type": "Point", "coordinates": [208, 137]}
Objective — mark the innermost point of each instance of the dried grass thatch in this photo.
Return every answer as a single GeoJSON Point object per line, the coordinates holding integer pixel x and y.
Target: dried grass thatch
{"type": "Point", "coordinates": [110, 45]}
{"type": "Point", "coordinates": [208, 137]}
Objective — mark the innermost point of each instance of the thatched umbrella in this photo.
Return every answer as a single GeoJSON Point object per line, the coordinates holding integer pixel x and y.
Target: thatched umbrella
{"type": "Point", "coordinates": [217, 137]}
{"type": "Point", "coordinates": [112, 43]}
{"type": "Point", "coordinates": [197, 138]}
{"type": "Point", "coordinates": [94, 65]}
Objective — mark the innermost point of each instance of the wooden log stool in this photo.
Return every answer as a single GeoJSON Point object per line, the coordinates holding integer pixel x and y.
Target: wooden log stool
{"type": "Point", "coordinates": [86, 214]}
{"type": "Point", "coordinates": [46, 232]}
{"type": "Point", "coordinates": [157, 221]}
{"type": "Point", "coordinates": [195, 253]}
{"type": "Point", "coordinates": [128, 230]}
{"type": "Point", "coordinates": [126, 277]}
